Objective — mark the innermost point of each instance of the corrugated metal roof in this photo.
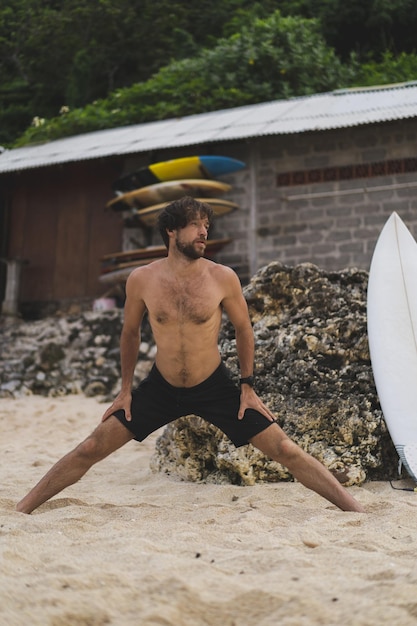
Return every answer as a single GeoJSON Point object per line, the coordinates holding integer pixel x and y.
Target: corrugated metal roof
{"type": "Point", "coordinates": [338, 109]}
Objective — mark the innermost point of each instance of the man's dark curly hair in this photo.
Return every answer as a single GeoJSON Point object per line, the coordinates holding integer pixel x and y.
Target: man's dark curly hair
{"type": "Point", "coordinates": [179, 213]}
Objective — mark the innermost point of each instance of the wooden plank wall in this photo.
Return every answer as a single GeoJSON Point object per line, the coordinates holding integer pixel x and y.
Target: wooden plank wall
{"type": "Point", "coordinates": [59, 225]}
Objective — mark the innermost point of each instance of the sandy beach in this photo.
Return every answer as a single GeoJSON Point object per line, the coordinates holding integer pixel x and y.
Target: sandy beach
{"type": "Point", "coordinates": [126, 546]}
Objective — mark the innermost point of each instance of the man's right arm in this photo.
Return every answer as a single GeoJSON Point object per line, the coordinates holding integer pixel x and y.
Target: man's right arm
{"type": "Point", "coordinates": [129, 345]}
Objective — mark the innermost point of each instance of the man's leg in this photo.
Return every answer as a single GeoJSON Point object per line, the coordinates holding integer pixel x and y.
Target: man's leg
{"type": "Point", "coordinates": [105, 439]}
{"type": "Point", "coordinates": [306, 469]}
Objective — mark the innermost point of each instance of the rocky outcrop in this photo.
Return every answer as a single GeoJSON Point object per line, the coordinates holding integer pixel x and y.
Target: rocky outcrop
{"type": "Point", "coordinates": [61, 355]}
{"type": "Point", "coordinates": [312, 368]}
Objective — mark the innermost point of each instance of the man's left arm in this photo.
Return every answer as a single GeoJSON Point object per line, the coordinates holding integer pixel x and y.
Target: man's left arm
{"type": "Point", "coordinates": [236, 309]}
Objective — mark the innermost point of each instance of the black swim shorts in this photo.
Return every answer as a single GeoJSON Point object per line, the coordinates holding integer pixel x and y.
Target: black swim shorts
{"type": "Point", "coordinates": [155, 403]}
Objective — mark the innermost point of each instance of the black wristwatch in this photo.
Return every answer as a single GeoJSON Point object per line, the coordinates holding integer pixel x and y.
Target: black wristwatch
{"type": "Point", "coordinates": [249, 380]}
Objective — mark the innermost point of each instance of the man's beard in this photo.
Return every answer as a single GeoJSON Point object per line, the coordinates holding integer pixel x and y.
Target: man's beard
{"type": "Point", "coordinates": [188, 250]}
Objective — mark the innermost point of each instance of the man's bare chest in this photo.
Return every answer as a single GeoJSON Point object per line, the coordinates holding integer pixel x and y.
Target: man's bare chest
{"type": "Point", "coordinates": [184, 303]}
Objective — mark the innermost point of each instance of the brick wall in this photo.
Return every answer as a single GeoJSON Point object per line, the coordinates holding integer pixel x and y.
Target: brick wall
{"type": "Point", "coordinates": [319, 197]}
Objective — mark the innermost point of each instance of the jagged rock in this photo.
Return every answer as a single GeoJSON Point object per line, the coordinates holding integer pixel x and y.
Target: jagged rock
{"type": "Point", "coordinates": [313, 370]}
{"type": "Point", "coordinates": [57, 356]}
{"type": "Point", "coordinates": [50, 355]}
{"type": "Point", "coordinates": [194, 450]}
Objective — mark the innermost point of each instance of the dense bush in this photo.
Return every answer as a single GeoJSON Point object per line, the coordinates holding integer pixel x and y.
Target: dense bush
{"type": "Point", "coordinates": [72, 67]}
{"type": "Point", "coordinates": [278, 57]}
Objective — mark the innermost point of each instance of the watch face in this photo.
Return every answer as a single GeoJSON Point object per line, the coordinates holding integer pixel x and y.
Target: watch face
{"type": "Point", "coordinates": [248, 381]}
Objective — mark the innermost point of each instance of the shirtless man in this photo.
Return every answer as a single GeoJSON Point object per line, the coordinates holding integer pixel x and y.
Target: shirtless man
{"type": "Point", "coordinates": [184, 296]}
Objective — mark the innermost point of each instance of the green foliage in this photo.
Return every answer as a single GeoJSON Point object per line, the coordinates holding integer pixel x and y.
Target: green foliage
{"type": "Point", "coordinates": [278, 57]}
{"type": "Point", "coordinates": [361, 26]}
{"type": "Point", "coordinates": [390, 69]}
{"type": "Point", "coordinates": [117, 62]}
{"type": "Point", "coordinates": [73, 52]}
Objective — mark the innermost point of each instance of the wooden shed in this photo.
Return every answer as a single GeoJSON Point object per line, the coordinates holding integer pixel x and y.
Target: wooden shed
{"type": "Point", "coordinates": [58, 229]}
{"type": "Point", "coordinates": [322, 175]}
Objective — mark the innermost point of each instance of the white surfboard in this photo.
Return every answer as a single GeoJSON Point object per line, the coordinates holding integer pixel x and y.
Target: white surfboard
{"type": "Point", "coordinates": [392, 335]}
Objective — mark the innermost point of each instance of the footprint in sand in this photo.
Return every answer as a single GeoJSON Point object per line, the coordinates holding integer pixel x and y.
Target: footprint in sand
{"type": "Point", "coordinates": [60, 503]}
